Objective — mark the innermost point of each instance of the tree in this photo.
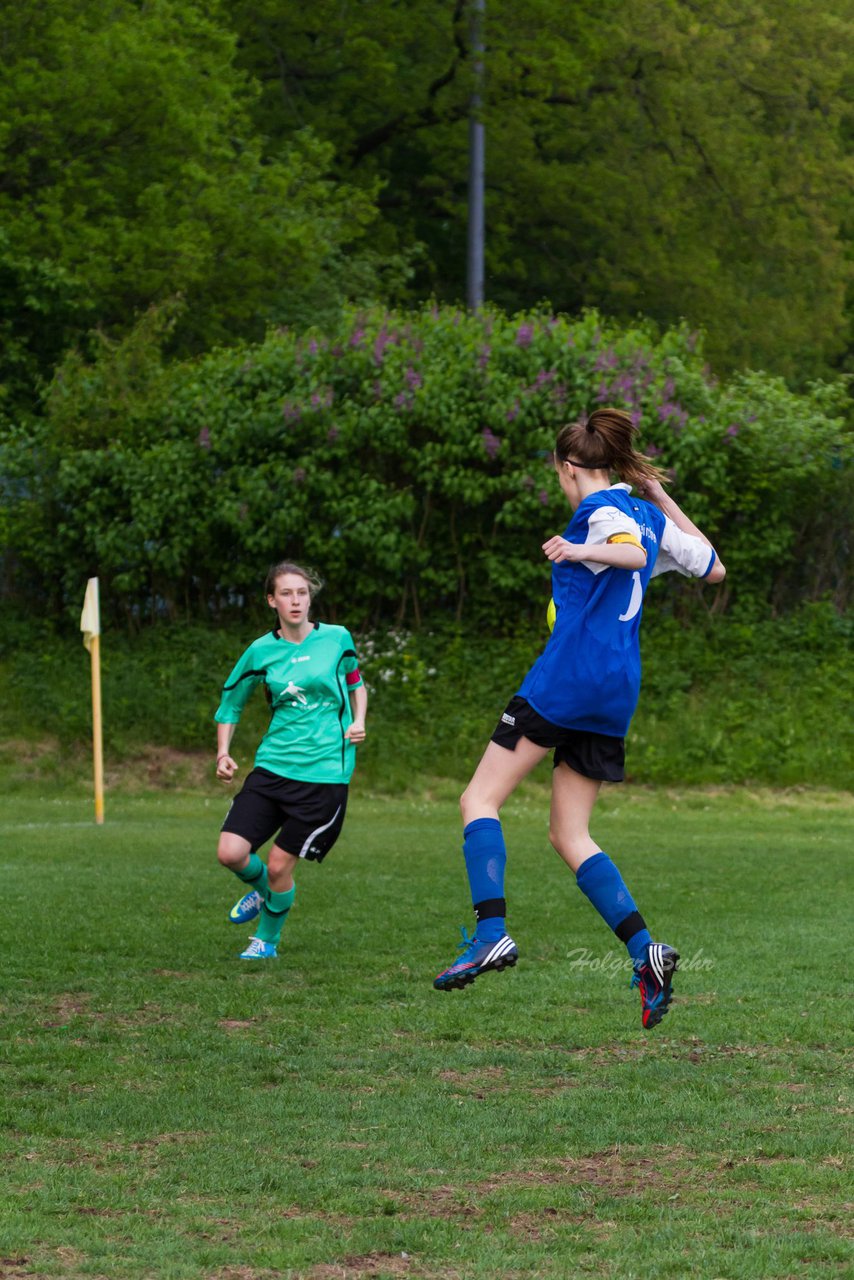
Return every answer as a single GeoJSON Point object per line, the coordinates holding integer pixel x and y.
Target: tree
{"type": "Point", "coordinates": [130, 172]}
{"type": "Point", "coordinates": [642, 155]}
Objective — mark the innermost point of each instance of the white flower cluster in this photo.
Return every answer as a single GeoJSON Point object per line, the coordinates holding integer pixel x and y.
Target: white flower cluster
{"type": "Point", "coordinates": [384, 658]}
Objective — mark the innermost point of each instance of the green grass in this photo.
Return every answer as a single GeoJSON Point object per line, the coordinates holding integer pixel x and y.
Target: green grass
{"type": "Point", "coordinates": [169, 1112]}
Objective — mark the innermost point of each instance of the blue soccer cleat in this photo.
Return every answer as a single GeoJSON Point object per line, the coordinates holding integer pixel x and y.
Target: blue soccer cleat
{"type": "Point", "coordinates": [477, 958]}
{"type": "Point", "coordinates": [247, 908]}
{"type": "Point", "coordinates": [258, 950]}
{"type": "Point", "coordinates": [654, 976]}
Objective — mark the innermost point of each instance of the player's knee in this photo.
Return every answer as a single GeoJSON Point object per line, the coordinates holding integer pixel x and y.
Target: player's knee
{"type": "Point", "coordinates": [279, 862]}
{"type": "Point", "coordinates": [231, 853]}
{"type": "Point", "coordinates": [471, 803]}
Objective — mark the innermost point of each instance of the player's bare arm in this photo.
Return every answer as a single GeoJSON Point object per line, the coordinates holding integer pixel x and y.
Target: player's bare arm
{"type": "Point", "coordinates": [226, 765]}
{"type": "Point", "coordinates": [358, 709]}
{"type": "Point", "coordinates": [620, 555]}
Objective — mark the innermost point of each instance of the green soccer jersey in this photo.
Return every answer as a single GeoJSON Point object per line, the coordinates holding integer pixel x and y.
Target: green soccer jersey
{"type": "Point", "coordinates": [307, 686]}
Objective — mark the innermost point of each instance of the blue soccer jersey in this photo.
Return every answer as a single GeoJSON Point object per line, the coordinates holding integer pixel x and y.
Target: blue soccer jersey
{"type": "Point", "coordinates": [588, 676]}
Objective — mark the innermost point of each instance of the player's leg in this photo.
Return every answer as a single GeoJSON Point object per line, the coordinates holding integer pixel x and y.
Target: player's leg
{"type": "Point", "coordinates": [278, 900]}
{"type": "Point", "coordinates": [313, 818]}
{"type": "Point", "coordinates": [499, 772]}
{"type": "Point", "coordinates": [251, 819]}
{"type": "Point", "coordinates": [573, 798]}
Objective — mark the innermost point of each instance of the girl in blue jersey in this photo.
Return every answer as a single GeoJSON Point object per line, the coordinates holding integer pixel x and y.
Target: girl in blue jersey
{"type": "Point", "coordinates": [298, 786]}
{"type": "Point", "coordinates": [579, 697]}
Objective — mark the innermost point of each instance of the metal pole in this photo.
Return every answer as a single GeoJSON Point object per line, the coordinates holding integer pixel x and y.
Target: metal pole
{"type": "Point", "coordinates": [474, 290]}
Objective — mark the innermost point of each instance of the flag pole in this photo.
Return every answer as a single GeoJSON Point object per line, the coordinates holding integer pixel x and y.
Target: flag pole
{"type": "Point", "coordinates": [90, 625]}
{"type": "Point", "coordinates": [97, 730]}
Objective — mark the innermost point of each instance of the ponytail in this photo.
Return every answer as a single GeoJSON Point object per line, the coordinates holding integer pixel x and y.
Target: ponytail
{"type": "Point", "coordinates": [603, 442]}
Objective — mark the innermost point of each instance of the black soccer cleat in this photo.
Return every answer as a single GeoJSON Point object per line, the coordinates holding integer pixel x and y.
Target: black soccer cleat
{"type": "Point", "coordinates": [654, 976]}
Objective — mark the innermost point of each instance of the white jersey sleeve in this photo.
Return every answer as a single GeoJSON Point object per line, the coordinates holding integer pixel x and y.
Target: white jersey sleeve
{"type": "Point", "coordinates": [603, 524]}
{"type": "Point", "coordinates": [684, 552]}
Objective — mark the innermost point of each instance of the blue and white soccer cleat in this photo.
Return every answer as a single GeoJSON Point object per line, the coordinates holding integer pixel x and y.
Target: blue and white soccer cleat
{"type": "Point", "coordinates": [247, 908]}
{"type": "Point", "coordinates": [258, 950]}
{"type": "Point", "coordinates": [654, 975]}
{"type": "Point", "coordinates": [477, 958]}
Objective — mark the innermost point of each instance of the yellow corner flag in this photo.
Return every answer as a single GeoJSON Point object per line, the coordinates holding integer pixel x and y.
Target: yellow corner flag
{"type": "Point", "coordinates": [90, 625]}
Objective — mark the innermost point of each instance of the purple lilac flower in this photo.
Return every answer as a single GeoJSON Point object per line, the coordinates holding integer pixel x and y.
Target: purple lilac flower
{"type": "Point", "coordinates": [669, 388]}
{"type": "Point", "coordinates": [291, 412]}
{"type": "Point", "coordinates": [636, 417]}
{"type": "Point", "coordinates": [204, 441]}
{"type": "Point", "coordinates": [653, 451]}
{"type": "Point", "coordinates": [543, 378]}
{"type": "Point", "coordinates": [732, 430]}
{"type": "Point", "coordinates": [543, 498]}
{"type": "Point", "coordinates": [381, 341]}
{"type": "Point", "coordinates": [491, 443]}
{"type": "Point", "coordinates": [625, 385]}
{"type": "Point", "coordinates": [603, 392]}
{"type": "Point", "coordinates": [337, 351]}
{"type": "Point", "coordinates": [673, 413]}
{"type": "Point", "coordinates": [524, 335]}
{"type": "Point", "coordinates": [313, 347]}
{"type": "Point", "coordinates": [356, 337]}
{"type": "Point", "coordinates": [607, 359]}
{"type": "Point", "coordinates": [402, 400]}
{"type": "Point", "coordinates": [413, 378]}
{"type": "Point", "coordinates": [483, 358]}
{"type": "Point", "coordinates": [513, 411]}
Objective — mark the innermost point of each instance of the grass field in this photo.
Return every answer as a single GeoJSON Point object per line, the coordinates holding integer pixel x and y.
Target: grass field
{"type": "Point", "coordinates": [169, 1111]}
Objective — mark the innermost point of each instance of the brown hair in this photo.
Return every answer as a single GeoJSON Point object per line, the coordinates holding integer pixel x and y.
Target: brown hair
{"type": "Point", "coordinates": [315, 583]}
{"type": "Point", "coordinates": [603, 442]}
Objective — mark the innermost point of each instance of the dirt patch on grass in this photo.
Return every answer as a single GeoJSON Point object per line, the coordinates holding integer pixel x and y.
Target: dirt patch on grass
{"type": "Point", "coordinates": [541, 1226]}
{"type": "Point", "coordinates": [70, 1004]}
{"type": "Point", "coordinates": [163, 768]}
{"type": "Point", "coordinates": [236, 1024]}
{"type": "Point", "coordinates": [615, 1172]}
{"type": "Point", "coordinates": [361, 1268]}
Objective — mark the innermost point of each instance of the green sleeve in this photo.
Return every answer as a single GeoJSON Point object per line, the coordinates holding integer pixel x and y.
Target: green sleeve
{"type": "Point", "coordinates": [237, 688]}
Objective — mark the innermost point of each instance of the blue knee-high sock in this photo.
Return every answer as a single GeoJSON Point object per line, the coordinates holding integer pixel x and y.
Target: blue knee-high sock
{"type": "Point", "coordinates": [486, 857]}
{"type": "Point", "coordinates": [600, 881]}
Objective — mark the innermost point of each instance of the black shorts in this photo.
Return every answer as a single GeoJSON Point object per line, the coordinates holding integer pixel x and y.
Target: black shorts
{"type": "Point", "coordinates": [593, 755]}
{"type": "Point", "coordinates": [310, 814]}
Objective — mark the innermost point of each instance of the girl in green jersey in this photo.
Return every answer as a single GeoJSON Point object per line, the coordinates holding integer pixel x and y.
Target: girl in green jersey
{"type": "Point", "coordinates": [302, 768]}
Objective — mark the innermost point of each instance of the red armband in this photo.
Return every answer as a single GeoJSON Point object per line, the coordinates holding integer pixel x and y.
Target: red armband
{"type": "Point", "coordinates": [354, 677]}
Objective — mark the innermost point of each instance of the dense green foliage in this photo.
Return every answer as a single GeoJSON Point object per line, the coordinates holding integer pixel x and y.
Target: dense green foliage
{"type": "Point", "coordinates": [131, 172]}
{"type": "Point", "coordinates": [408, 457]}
{"type": "Point", "coordinates": [167, 1114]}
{"type": "Point", "coordinates": [664, 157]}
{"type": "Point", "coordinates": [269, 161]}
